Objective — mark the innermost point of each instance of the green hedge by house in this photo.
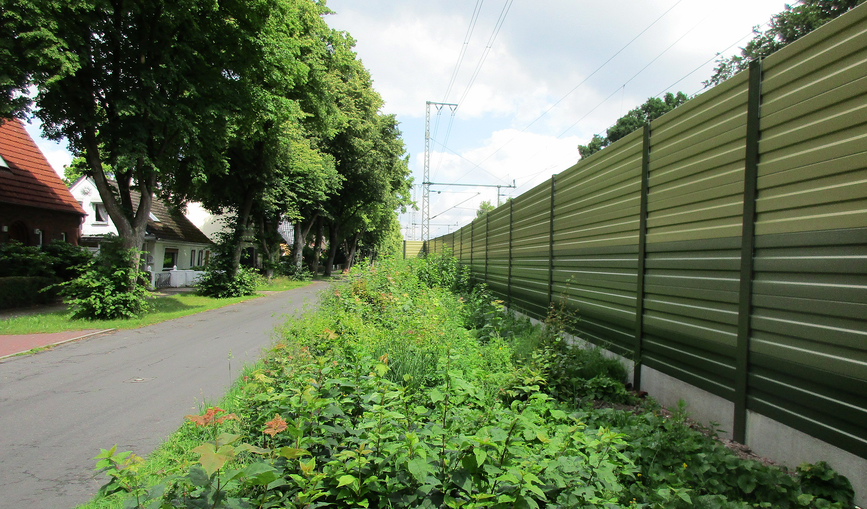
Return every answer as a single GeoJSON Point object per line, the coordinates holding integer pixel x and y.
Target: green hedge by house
{"type": "Point", "coordinates": [21, 291]}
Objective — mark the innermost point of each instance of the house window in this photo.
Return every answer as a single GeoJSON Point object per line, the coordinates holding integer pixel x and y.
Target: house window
{"type": "Point", "coordinates": [99, 213]}
{"type": "Point", "coordinates": [170, 259]}
{"type": "Point", "coordinates": [201, 252]}
{"type": "Point", "coordinates": [192, 257]}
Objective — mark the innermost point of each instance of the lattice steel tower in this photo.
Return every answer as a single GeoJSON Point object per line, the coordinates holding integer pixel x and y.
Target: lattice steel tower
{"type": "Point", "coordinates": [425, 192]}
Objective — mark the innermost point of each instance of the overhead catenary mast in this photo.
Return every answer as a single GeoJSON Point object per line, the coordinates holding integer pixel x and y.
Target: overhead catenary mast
{"type": "Point", "coordinates": [425, 193]}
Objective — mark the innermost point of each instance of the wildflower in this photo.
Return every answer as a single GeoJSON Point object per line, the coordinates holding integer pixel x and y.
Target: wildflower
{"type": "Point", "coordinates": [210, 417]}
{"type": "Point", "coordinates": [684, 465]}
{"type": "Point", "coordinates": [274, 426]}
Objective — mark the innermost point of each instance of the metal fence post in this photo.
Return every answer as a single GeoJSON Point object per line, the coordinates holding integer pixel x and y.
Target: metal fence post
{"type": "Point", "coordinates": [509, 277]}
{"type": "Point", "coordinates": [487, 242]}
{"type": "Point", "coordinates": [472, 239]}
{"type": "Point", "coordinates": [551, 246]}
{"type": "Point", "coordinates": [642, 244]}
{"type": "Point", "coordinates": [751, 164]}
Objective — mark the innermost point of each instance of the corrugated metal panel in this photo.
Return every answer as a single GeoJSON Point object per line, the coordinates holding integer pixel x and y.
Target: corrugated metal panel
{"type": "Point", "coordinates": [691, 311]}
{"type": "Point", "coordinates": [595, 242]}
{"type": "Point", "coordinates": [809, 334]}
{"type": "Point", "coordinates": [413, 248]}
{"type": "Point", "coordinates": [597, 201]}
{"type": "Point", "coordinates": [697, 166]}
{"type": "Point", "coordinates": [530, 250]}
{"type": "Point", "coordinates": [813, 165]}
{"type": "Point", "coordinates": [498, 252]}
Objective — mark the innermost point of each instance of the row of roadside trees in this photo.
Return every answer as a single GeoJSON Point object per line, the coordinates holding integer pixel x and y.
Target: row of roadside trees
{"type": "Point", "coordinates": [255, 108]}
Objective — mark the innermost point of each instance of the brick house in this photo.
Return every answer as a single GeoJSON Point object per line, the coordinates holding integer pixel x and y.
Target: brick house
{"type": "Point", "coordinates": [35, 205]}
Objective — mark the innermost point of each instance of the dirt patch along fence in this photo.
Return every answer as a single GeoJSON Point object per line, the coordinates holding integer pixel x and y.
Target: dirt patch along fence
{"type": "Point", "coordinates": [722, 249]}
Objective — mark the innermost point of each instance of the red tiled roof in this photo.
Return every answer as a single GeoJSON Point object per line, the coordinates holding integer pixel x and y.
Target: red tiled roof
{"type": "Point", "coordinates": [30, 180]}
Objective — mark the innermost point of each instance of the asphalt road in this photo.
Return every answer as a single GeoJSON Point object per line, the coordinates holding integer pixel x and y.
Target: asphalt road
{"type": "Point", "coordinates": [131, 388]}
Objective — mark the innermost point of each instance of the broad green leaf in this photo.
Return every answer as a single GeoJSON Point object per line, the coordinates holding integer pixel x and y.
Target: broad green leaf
{"type": "Point", "coordinates": [419, 469]}
{"type": "Point", "coordinates": [345, 480]}
{"type": "Point", "coordinates": [291, 453]}
{"type": "Point", "coordinates": [436, 396]}
{"type": "Point", "coordinates": [481, 455]}
{"type": "Point", "coordinates": [198, 476]}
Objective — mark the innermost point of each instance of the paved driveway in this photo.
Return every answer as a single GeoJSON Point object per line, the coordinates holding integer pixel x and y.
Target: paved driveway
{"type": "Point", "coordinates": [131, 388]}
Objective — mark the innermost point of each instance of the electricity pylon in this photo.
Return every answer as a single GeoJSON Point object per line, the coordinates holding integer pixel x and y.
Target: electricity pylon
{"type": "Point", "coordinates": [425, 192]}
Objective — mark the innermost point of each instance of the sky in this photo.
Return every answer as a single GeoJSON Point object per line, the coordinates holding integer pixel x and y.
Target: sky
{"type": "Point", "coordinates": [536, 80]}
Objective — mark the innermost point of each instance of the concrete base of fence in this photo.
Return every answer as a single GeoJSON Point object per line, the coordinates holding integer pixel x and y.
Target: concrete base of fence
{"type": "Point", "coordinates": [701, 405]}
{"type": "Point", "coordinates": [769, 438]}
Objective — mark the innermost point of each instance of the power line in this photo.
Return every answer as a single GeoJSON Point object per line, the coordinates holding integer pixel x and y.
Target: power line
{"type": "Point", "coordinates": [473, 19]}
{"type": "Point", "coordinates": [630, 79]}
{"type": "Point", "coordinates": [497, 26]}
{"type": "Point", "coordinates": [576, 87]}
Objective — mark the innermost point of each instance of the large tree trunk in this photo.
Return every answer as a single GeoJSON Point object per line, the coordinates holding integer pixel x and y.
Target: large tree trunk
{"type": "Point", "coordinates": [298, 248]}
{"type": "Point", "coordinates": [240, 229]}
{"type": "Point", "coordinates": [333, 239]}
{"type": "Point", "coordinates": [350, 259]}
{"type": "Point", "coordinates": [269, 249]}
{"type": "Point", "coordinates": [131, 230]}
{"type": "Point", "coordinates": [317, 247]}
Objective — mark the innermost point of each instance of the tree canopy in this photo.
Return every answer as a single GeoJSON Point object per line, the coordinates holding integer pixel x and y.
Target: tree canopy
{"type": "Point", "coordinates": [783, 28]}
{"type": "Point", "coordinates": [652, 109]}
{"type": "Point", "coordinates": [256, 108]}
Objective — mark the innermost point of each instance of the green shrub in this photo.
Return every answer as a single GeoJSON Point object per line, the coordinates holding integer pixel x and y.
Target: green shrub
{"type": "Point", "coordinates": [20, 291]}
{"type": "Point", "coordinates": [67, 261]}
{"type": "Point", "coordinates": [16, 259]}
{"type": "Point", "coordinates": [444, 271]}
{"type": "Point", "coordinates": [219, 283]}
{"type": "Point", "coordinates": [108, 288]}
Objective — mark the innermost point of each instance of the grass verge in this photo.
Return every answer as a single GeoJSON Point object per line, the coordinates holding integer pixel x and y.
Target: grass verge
{"type": "Point", "coordinates": [165, 308]}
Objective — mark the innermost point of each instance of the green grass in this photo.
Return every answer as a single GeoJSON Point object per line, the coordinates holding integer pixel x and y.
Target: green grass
{"type": "Point", "coordinates": [281, 283]}
{"type": "Point", "coordinates": [165, 308]}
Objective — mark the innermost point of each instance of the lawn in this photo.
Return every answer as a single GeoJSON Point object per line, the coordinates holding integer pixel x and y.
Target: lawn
{"type": "Point", "coordinates": [165, 308]}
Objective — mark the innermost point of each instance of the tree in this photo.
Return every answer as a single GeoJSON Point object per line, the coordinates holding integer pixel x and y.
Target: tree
{"type": "Point", "coordinates": [784, 28]}
{"type": "Point", "coordinates": [140, 86]}
{"type": "Point", "coordinates": [274, 168]}
{"type": "Point", "coordinates": [484, 208]}
{"type": "Point", "coordinates": [652, 109]}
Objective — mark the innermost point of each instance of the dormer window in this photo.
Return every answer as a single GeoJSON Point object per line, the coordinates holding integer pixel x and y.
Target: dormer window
{"type": "Point", "coordinates": [100, 215]}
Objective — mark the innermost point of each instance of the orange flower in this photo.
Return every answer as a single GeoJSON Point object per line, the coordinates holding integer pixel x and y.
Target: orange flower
{"type": "Point", "coordinates": [274, 426]}
{"type": "Point", "coordinates": [210, 417]}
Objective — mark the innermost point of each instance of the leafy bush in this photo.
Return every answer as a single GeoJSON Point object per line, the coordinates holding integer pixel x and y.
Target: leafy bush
{"type": "Point", "coordinates": [16, 259]}
{"type": "Point", "coordinates": [108, 287]}
{"type": "Point", "coordinates": [58, 259]}
{"type": "Point", "coordinates": [287, 268]}
{"type": "Point", "coordinates": [444, 271]}
{"type": "Point", "coordinates": [219, 283]}
{"type": "Point", "coordinates": [26, 291]}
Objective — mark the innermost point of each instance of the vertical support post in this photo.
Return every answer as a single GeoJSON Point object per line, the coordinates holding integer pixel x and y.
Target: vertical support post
{"type": "Point", "coordinates": [487, 243]}
{"type": "Point", "coordinates": [551, 246]}
{"type": "Point", "coordinates": [509, 277]}
{"type": "Point", "coordinates": [472, 239]}
{"type": "Point", "coordinates": [425, 187]}
{"type": "Point", "coordinates": [642, 254]}
{"type": "Point", "coordinates": [404, 250]}
{"type": "Point", "coordinates": [751, 170]}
